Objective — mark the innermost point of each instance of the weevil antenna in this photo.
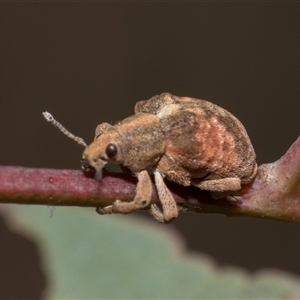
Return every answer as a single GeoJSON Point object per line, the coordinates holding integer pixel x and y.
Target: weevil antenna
{"type": "Point", "coordinates": [50, 119]}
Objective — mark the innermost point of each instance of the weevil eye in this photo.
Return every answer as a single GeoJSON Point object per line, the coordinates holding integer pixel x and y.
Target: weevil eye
{"type": "Point", "coordinates": [111, 151]}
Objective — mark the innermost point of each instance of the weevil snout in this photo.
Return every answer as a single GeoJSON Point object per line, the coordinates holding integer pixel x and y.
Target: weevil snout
{"type": "Point", "coordinates": [93, 166]}
{"type": "Point", "coordinates": [86, 167]}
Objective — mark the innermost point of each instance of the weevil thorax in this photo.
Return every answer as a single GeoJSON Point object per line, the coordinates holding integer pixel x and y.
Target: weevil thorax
{"type": "Point", "coordinates": [142, 141]}
{"type": "Point", "coordinates": [137, 142]}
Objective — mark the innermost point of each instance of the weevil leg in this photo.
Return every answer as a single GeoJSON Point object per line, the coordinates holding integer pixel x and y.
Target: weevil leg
{"type": "Point", "coordinates": [225, 188]}
{"type": "Point", "coordinates": [105, 210]}
{"type": "Point", "coordinates": [218, 185]}
{"type": "Point", "coordinates": [157, 213]}
{"type": "Point", "coordinates": [142, 198]}
{"type": "Point", "coordinates": [169, 207]}
{"type": "Point", "coordinates": [234, 199]}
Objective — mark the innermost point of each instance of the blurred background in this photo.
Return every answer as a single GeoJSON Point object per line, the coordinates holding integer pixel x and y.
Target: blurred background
{"type": "Point", "coordinates": [90, 62]}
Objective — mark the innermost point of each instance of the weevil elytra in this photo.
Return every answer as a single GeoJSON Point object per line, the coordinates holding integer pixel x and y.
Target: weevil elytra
{"type": "Point", "coordinates": [185, 140]}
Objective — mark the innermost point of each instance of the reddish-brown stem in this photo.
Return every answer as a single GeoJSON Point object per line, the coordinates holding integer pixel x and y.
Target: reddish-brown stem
{"type": "Point", "coordinates": [274, 193]}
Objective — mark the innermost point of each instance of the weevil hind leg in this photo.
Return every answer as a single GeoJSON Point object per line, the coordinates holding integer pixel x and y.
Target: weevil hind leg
{"type": "Point", "coordinates": [218, 185]}
{"type": "Point", "coordinates": [224, 188]}
{"type": "Point", "coordinates": [230, 197]}
{"type": "Point", "coordinates": [141, 200]}
{"type": "Point", "coordinates": [169, 207]}
{"type": "Point", "coordinates": [234, 199]}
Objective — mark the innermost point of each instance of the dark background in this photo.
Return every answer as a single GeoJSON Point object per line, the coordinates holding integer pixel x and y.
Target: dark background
{"type": "Point", "coordinates": [89, 62]}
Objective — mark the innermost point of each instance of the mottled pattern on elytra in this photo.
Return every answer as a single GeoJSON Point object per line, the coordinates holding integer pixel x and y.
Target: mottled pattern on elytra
{"type": "Point", "coordinates": [203, 139]}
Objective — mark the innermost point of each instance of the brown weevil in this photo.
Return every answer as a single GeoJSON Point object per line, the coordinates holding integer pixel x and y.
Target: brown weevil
{"type": "Point", "coordinates": [185, 140]}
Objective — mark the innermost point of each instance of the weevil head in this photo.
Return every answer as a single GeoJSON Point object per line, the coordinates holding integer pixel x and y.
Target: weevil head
{"type": "Point", "coordinates": [105, 148]}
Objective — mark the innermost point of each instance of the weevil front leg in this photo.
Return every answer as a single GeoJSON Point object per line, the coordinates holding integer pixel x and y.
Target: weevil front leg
{"type": "Point", "coordinates": [141, 200]}
{"type": "Point", "coordinates": [169, 207]}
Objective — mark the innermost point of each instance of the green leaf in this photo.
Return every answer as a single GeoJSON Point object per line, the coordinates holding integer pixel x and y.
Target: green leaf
{"type": "Point", "coordinates": [87, 256]}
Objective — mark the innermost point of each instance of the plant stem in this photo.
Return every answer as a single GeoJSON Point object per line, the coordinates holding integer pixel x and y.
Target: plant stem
{"type": "Point", "coordinates": [274, 193]}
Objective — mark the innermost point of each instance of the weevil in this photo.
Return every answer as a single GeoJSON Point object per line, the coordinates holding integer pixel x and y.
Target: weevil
{"type": "Point", "coordinates": [185, 140]}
